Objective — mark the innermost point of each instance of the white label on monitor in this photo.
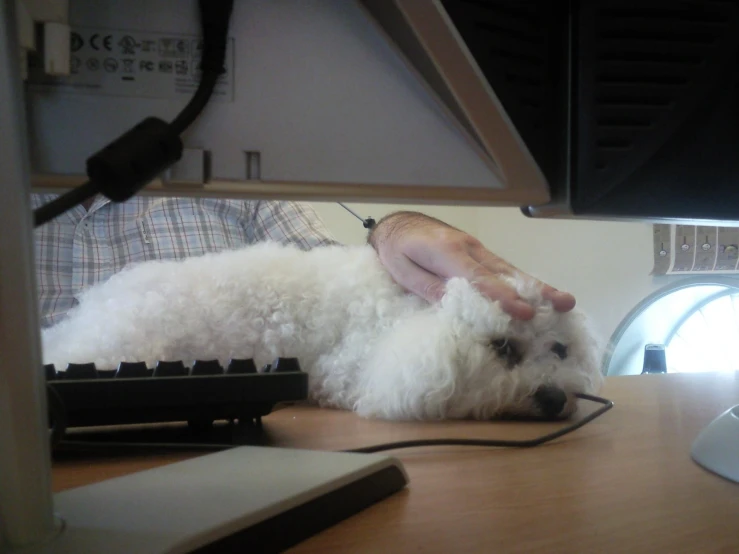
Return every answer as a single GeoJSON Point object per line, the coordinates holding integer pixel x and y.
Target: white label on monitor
{"type": "Point", "coordinates": [133, 63]}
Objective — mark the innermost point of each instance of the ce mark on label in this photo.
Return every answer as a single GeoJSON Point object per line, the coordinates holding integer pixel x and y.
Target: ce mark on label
{"type": "Point", "coordinates": [96, 42]}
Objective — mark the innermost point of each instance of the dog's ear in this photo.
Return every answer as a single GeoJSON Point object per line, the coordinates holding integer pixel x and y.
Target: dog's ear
{"type": "Point", "coordinates": [465, 304]}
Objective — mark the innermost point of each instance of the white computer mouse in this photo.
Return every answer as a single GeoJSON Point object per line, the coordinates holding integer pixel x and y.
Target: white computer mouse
{"type": "Point", "coordinates": [717, 446]}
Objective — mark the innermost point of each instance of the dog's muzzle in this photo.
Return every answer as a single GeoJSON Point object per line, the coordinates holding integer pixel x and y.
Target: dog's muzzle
{"type": "Point", "coordinates": [550, 400]}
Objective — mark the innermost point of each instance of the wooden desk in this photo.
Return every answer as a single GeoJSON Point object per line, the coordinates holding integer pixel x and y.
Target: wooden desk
{"type": "Point", "coordinates": [622, 484]}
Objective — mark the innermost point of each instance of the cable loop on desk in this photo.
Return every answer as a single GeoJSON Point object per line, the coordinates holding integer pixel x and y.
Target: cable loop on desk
{"type": "Point", "coordinates": [499, 443]}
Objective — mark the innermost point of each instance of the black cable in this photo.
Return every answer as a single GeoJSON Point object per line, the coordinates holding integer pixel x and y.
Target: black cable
{"type": "Point", "coordinates": [196, 104]}
{"type": "Point", "coordinates": [63, 203]}
{"type": "Point", "coordinates": [117, 447]}
{"type": "Point", "coordinates": [214, 18]}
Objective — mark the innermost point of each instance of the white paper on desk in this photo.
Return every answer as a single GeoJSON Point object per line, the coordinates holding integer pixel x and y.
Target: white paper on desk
{"type": "Point", "coordinates": [695, 250]}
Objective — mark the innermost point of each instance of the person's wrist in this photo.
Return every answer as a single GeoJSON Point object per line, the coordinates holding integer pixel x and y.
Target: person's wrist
{"type": "Point", "coordinates": [393, 225]}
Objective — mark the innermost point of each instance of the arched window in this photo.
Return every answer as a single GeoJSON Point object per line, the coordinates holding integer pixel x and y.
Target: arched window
{"type": "Point", "coordinates": [707, 339]}
{"type": "Point", "coordinates": [696, 319]}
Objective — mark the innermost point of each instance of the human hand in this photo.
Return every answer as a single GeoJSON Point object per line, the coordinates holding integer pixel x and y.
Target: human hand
{"type": "Point", "coordinates": [421, 253]}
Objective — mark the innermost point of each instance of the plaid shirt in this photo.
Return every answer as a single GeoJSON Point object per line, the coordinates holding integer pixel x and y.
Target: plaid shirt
{"type": "Point", "coordinates": [80, 247]}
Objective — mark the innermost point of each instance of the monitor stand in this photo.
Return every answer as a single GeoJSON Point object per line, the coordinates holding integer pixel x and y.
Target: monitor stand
{"type": "Point", "coordinates": [247, 499]}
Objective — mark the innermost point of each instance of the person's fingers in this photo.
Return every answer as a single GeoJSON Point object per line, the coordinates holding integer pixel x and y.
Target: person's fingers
{"type": "Point", "coordinates": [456, 261]}
{"type": "Point", "coordinates": [414, 278]}
{"type": "Point", "coordinates": [561, 301]}
{"type": "Point", "coordinates": [445, 258]}
{"type": "Point", "coordinates": [493, 263]}
{"type": "Point", "coordinates": [511, 303]}
{"type": "Point", "coordinates": [431, 264]}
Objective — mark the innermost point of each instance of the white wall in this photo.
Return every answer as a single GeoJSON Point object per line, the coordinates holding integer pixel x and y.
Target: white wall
{"type": "Point", "coordinates": [605, 265]}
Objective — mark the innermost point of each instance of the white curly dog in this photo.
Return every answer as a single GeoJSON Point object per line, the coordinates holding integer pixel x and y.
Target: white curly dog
{"type": "Point", "coordinates": [366, 344]}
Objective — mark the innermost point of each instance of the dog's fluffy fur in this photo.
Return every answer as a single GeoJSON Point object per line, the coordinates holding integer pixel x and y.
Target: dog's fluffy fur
{"type": "Point", "coordinates": [366, 344]}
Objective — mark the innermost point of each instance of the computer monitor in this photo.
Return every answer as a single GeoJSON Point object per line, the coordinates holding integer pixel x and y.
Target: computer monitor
{"type": "Point", "coordinates": [609, 109]}
{"type": "Point", "coordinates": [603, 109]}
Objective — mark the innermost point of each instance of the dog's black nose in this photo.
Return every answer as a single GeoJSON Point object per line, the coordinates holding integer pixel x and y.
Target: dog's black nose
{"type": "Point", "coordinates": [550, 400]}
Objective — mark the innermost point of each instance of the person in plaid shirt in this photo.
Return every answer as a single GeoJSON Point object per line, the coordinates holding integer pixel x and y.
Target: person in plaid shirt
{"type": "Point", "coordinates": [90, 243]}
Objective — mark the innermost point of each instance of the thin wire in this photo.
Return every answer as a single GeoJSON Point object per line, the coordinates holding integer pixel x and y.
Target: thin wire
{"type": "Point", "coordinates": [499, 443]}
{"type": "Point", "coordinates": [116, 447]}
{"type": "Point", "coordinates": [351, 211]}
{"type": "Point", "coordinates": [368, 223]}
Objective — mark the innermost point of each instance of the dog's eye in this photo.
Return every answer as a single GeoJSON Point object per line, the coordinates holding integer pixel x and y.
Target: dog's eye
{"type": "Point", "coordinates": [507, 351]}
{"type": "Point", "coordinates": [560, 350]}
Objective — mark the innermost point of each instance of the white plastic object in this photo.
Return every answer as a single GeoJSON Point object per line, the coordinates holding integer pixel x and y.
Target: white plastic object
{"type": "Point", "coordinates": [25, 479]}
{"type": "Point", "coordinates": [56, 49]}
{"type": "Point", "coordinates": [181, 507]}
{"type": "Point", "coordinates": [717, 446]}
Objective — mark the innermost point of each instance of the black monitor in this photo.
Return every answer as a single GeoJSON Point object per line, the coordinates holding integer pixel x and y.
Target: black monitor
{"type": "Point", "coordinates": [630, 107]}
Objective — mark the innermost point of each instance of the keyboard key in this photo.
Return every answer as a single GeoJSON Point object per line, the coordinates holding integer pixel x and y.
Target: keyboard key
{"type": "Point", "coordinates": [50, 372]}
{"type": "Point", "coordinates": [241, 367]}
{"type": "Point", "coordinates": [170, 369]}
{"type": "Point", "coordinates": [81, 371]}
{"type": "Point", "coordinates": [206, 367]}
{"type": "Point", "coordinates": [127, 370]}
{"type": "Point", "coordinates": [284, 365]}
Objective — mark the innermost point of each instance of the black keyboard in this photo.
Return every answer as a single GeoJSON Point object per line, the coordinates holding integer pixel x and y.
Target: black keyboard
{"type": "Point", "coordinates": [201, 393]}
